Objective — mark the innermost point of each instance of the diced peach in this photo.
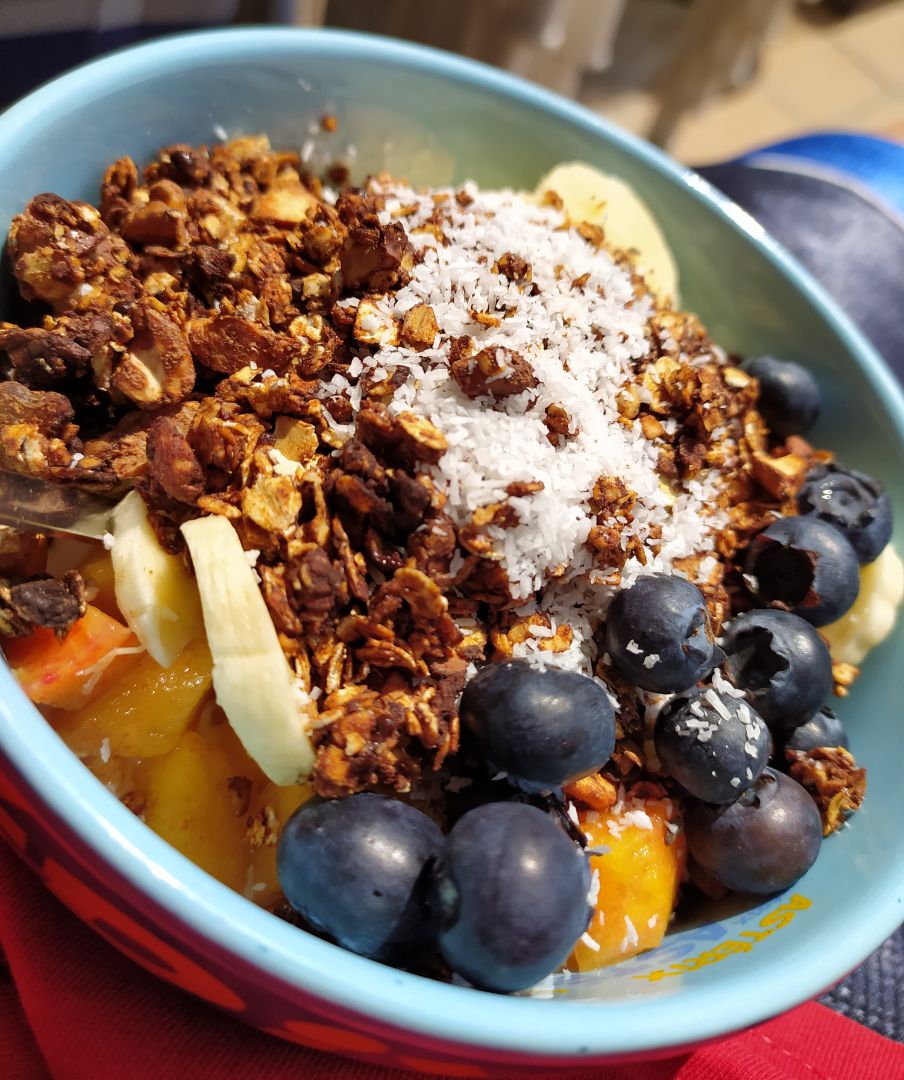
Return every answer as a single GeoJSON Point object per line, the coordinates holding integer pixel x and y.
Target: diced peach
{"type": "Point", "coordinates": [638, 883]}
{"type": "Point", "coordinates": [255, 799]}
{"type": "Point", "coordinates": [213, 726]}
{"type": "Point", "coordinates": [145, 711]}
{"type": "Point", "coordinates": [97, 572]}
{"type": "Point", "coordinates": [283, 801]}
{"type": "Point", "coordinates": [64, 673]}
{"type": "Point", "coordinates": [189, 804]}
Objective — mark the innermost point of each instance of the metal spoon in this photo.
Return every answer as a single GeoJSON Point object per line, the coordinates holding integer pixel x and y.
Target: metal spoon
{"type": "Point", "coordinates": [40, 506]}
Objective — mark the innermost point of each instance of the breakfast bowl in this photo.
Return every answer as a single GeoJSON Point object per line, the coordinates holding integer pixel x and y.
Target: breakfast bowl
{"type": "Point", "coordinates": [437, 119]}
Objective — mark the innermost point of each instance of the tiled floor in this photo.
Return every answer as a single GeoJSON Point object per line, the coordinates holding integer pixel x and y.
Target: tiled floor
{"type": "Point", "coordinates": [817, 72]}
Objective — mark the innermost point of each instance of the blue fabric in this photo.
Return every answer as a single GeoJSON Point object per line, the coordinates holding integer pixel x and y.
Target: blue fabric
{"type": "Point", "coordinates": [877, 162]}
{"type": "Point", "coordinates": [849, 239]}
{"type": "Point", "coordinates": [28, 60]}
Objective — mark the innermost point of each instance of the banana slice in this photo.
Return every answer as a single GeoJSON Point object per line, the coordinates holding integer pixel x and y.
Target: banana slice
{"type": "Point", "coordinates": [156, 595]}
{"type": "Point", "coordinates": [594, 196]}
{"type": "Point", "coordinates": [252, 680]}
{"type": "Point", "coordinates": [872, 618]}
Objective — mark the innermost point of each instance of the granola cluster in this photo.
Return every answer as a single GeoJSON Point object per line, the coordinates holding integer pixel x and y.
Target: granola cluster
{"type": "Point", "coordinates": [209, 335]}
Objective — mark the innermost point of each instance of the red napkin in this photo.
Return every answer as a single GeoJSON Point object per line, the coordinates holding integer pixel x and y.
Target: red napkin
{"type": "Point", "coordinates": [72, 1008]}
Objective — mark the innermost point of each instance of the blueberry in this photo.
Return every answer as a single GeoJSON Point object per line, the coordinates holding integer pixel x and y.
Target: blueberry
{"type": "Point", "coordinates": [823, 729]}
{"type": "Point", "coordinates": [781, 663]}
{"type": "Point", "coordinates": [763, 842]}
{"type": "Point", "coordinates": [510, 895]}
{"type": "Point", "coordinates": [356, 869]}
{"type": "Point", "coordinates": [713, 743]}
{"type": "Point", "coordinates": [658, 634]}
{"type": "Point", "coordinates": [790, 398]}
{"type": "Point", "coordinates": [854, 503]}
{"type": "Point", "coordinates": [806, 566]}
{"type": "Point", "coordinates": [542, 728]}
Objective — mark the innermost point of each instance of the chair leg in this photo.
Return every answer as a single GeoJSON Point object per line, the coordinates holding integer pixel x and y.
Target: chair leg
{"type": "Point", "coordinates": [721, 41]}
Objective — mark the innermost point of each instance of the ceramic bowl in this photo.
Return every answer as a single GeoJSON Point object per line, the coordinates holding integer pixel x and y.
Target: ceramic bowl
{"type": "Point", "coordinates": [437, 118]}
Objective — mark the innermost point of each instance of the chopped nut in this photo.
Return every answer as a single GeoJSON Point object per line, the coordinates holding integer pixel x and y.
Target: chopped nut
{"type": "Point", "coordinates": [513, 267]}
{"type": "Point", "coordinates": [419, 327]}
{"type": "Point", "coordinates": [262, 828]}
{"type": "Point", "coordinates": [51, 412]}
{"type": "Point", "coordinates": [595, 792]}
{"type": "Point", "coordinates": [611, 498]}
{"type": "Point", "coordinates": [425, 441]}
{"type": "Point", "coordinates": [832, 777]}
{"type": "Point", "coordinates": [227, 343]}
{"type": "Point", "coordinates": [290, 203]}
{"type": "Point", "coordinates": [843, 676]}
{"type": "Point", "coordinates": [485, 318]}
{"type": "Point", "coordinates": [629, 402]}
{"type": "Point", "coordinates": [501, 514]}
{"type": "Point", "coordinates": [374, 325]}
{"type": "Point", "coordinates": [736, 378]}
{"type": "Point", "coordinates": [605, 542]}
{"type": "Point", "coordinates": [157, 368]}
{"type": "Point", "coordinates": [373, 257]}
{"type": "Point", "coordinates": [308, 327]}
{"type": "Point", "coordinates": [651, 427]}
{"type": "Point", "coordinates": [273, 503]}
{"type": "Point", "coordinates": [782, 477]}
{"type": "Point", "coordinates": [520, 488]}
{"type": "Point", "coordinates": [521, 630]}
{"type": "Point", "coordinates": [318, 287]}
{"type": "Point", "coordinates": [558, 423]}
{"type": "Point", "coordinates": [295, 439]}
{"type": "Point", "coordinates": [636, 550]}
{"type": "Point", "coordinates": [593, 234]}
{"type": "Point", "coordinates": [496, 371]}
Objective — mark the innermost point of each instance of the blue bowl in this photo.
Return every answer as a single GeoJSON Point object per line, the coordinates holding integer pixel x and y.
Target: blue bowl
{"type": "Point", "coordinates": [437, 118]}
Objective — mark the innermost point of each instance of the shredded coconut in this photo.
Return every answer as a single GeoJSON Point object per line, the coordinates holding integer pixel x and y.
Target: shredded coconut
{"type": "Point", "coordinates": [630, 939]}
{"type": "Point", "coordinates": [97, 670]}
{"type": "Point", "coordinates": [583, 343]}
{"type": "Point", "coordinates": [593, 893]}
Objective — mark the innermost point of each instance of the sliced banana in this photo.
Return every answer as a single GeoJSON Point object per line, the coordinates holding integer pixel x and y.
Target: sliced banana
{"type": "Point", "coordinates": [594, 196]}
{"type": "Point", "coordinates": [252, 680]}
{"type": "Point", "coordinates": [872, 618]}
{"type": "Point", "coordinates": [157, 596]}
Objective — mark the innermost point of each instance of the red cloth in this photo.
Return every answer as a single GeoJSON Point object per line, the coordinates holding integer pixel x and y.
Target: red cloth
{"type": "Point", "coordinates": [72, 1008]}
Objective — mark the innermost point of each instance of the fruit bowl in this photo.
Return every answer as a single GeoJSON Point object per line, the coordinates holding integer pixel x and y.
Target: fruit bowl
{"type": "Point", "coordinates": [436, 119]}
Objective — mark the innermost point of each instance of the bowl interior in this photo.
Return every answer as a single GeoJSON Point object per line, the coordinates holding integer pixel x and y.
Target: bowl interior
{"type": "Point", "coordinates": [438, 119]}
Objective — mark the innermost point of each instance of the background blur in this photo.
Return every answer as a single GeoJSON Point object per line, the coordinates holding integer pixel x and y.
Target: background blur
{"type": "Point", "coordinates": [705, 78]}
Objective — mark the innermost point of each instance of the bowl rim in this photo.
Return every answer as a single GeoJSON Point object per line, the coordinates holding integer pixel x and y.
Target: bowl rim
{"type": "Point", "coordinates": [210, 910]}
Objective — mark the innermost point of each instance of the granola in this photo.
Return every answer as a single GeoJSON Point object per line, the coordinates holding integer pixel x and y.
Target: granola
{"type": "Point", "coordinates": [446, 427]}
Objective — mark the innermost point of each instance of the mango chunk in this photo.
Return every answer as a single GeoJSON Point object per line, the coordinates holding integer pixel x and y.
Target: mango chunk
{"type": "Point", "coordinates": [145, 711]}
{"type": "Point", "coordinates": [98, 574]}
{"type": "Point", "coordinates": [276, 804]}
{"type": "Point", "coordinates": [189, 804]}
{"type": "Point", "coordinates": [638, 881]}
